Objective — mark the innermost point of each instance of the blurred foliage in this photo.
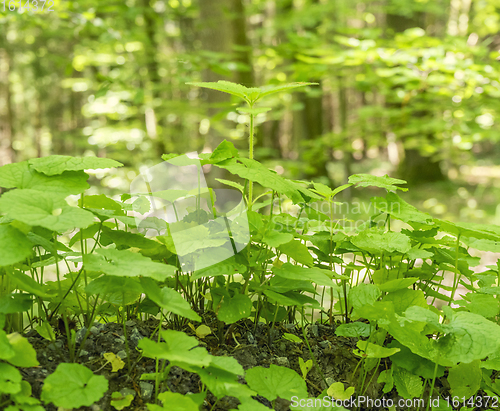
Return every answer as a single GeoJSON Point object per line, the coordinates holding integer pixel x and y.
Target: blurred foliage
{"type": "Point", "coordinates": [109, 78]}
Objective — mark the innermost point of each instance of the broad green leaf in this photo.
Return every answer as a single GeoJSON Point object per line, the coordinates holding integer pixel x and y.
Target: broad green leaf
{"type": "Point", "coordinates": [254, 171]}
{"type": "Point", "coordinates": [403, 299]}
{"type": "Point", "coordinates": [367, 180]}
{"type": "Point", "coordinates": [10, 379]}
{"type": "Point", "coordinates": [386, 378]}
{"type": "Point", "coordinates": [15, 303]}
{"type": "Point", "coordinates": [370, 350]}
{"type": "Point", "coordinates": [337, 391]}
{"type": "Point", "coordinates": [275, 238]}
{"type": "Point", "coordinates": [298, 252]}
{"type": "Point", "coordinates": [231, 184]}
{"type": "Point", "coordinates": [226, 87]}
{"type": "Point", "coordinates": [14, 244]}
{"type": "Point", "coordinates": [294, 272]}
{"type": "Point", "coordinates": [363, 294]}
{"type": "Point", "coordinates": [398, 284]}
{"type": "Point", "coordinates": [355, 329]}
{"type": "Point", "coordinates": [377, 243]}
{"type": "Point", "coordinates": [413, 362]}
{"type": "Point", "coordinates": [224, 151]}
{"type": "Point", "coordinates": [226, 267]}
{"type": "Point", "coordinates": [56, 164]}
{"type": "Point", "coordinates": [465, 379]}
{"type": "Point", "coordinates": [126, 239]}
{"type": "Point", "coordinates": [174, 401]}
{"type": "Point", "coordinates": [275, 381]}
{"type": "Point", "coordinates": [116, 290]}
{"type": "Point", "coordinates": [73, 386]}
{"type": "Point", "coordinates": [46, 331]}
{"type": "Point", "coordinates": [471, 230]}
{"type": "Point", "coordinates": [6, 349]}
{"type": "Point", "coordinates": [292, 299]}
{"type": "Point", "coordinates": [408, 385]}
{"type": "Point", "coordinates": [22, 176]}
{"type": "Point", "coordinates": [398, 208]}
{"type": "Point", "coordinates": [235, 308]}
{"type": "Point", "coordinates": [168, 299]}
{"type": "Point", "coordinates": [44, 209]}
{"type": "Point", "coordinates": [101, 201]}
{"type": "Point", "coordinates": [125, 263]}
{"type": "Point", "coordinates": [25, 283]}
{"type": "Point", "coordinates": [180, 349]}
{"type": "Point", "coordinates": [483, 244]}
{"type": "Point", "coordinates": [415, 253]}
{"type": "Point", "coordinates": [483, 304]}
{"type": "Point", "coordinates": [24, 353]}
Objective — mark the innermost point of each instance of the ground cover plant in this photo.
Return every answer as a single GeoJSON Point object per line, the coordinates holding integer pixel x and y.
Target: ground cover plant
{"type": "Point", "coordinates": [353, 303]}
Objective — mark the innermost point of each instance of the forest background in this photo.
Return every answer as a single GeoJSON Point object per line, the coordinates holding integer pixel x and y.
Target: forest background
{"type": "Point", "coordinates": [408, 88]}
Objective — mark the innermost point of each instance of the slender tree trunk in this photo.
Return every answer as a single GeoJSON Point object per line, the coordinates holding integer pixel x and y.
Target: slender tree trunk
{"type": "Point", "coordinates": [7, 131]}
{"type": "Point", "coordinates": [415, 168]}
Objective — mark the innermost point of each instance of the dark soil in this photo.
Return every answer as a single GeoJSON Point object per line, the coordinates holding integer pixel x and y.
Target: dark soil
{"type": "Point", "coordinates": [251, 346]}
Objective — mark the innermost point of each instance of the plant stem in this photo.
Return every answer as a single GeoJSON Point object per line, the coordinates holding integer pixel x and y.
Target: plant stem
{"type": "Point", "coordinates": [250, 156]}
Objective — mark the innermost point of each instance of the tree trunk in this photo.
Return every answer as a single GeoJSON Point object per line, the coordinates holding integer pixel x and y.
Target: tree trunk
{"type": "Point", "coordinates": [415, 168]}
{"type": "Point", "coordinates": [7, 131]}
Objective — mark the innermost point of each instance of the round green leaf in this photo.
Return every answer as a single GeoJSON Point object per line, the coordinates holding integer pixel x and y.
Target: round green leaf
{"type": "Point", "coordinates": [72, 386]}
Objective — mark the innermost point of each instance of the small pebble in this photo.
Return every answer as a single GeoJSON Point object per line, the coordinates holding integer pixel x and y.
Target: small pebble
{"type": "Point", "coordinates": [146, 390]}
{"type": "Point", "coordinates": [282, 362]}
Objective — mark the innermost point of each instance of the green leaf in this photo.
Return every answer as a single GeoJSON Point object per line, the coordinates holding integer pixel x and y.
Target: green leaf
{"type": "Point", "coordinates": [44, 209]}
{"type": "Point", "coordinates": [408, 385]}
{"type": "Point", "coordinates": [6, 349]}
{"type": "Point", "coordinates": [294, 272]}
{"type": "Point", "coordinates": [413, 362]}
{"type": "Point", "coordinates": [120, 400]}
{"type": "Point", "coordinates": [298, 252]}
{"type": "Point", "coordinates": [292, 299]}
{"type": "Point", "coordinates": [370, 350]}
{"type": "Point", "coordinates": [14, 245]}
{"type": "Point", "coordinates": [73, 386]}
{"type": "Point", "coordinates": [386, 378]}
{"type": "Point", "coordinates": [465, 379]}
{"type": "Point", "coordinates": [235, 308]}
{"type": "Point", "coordinates": [25, 283]}
{"type": "Point", "coordinates": [22, 176]}
{"type": "Point", "coordinates": [226, 87]}
{"type": "Point", "coordinates": [400, 209]}
{"type": "Point", "coordinates": [10, 379]}
{"type": "Point", "coordinates": [116, 290]}
{"type": "Point", "coordinates": [231, 184]}
{"type": "Point", "coordinates": [275, 381]}
{"type": "Point", "coordinates": [377, 243]}
{"type": "Point", "coordinates": [224, 151]}
{"type": "Point", "coordinates": [364, 294]}
{"type": "Point", "coordinates": [176, 401]}
{"type": "Point", "coordinates": [178, 348]}
{"type": "Point", "coordinates": [292, 338]}
{"type": "Point", "coordinates": [168, 299]}
{"type": "Point", "coordinates": [356, 329]}
{"type": "Point", "coordinates": [337, 391]}
{"type": "Point", "coordinates": [56, 164]}
{"type": "Point", "coordinates": [398, 284]}
{"type": "Point", "coordinates": [367, 180]}
{"type": "Point", "coordinates": [403, 299]}
{"type": "Point", "coordinates": [24, 353]}
{"type": "Point", "coordinates": [125, 263]}
{"type": "Point", "coordinates": [275, 238]}
{"type": "Point", "coordinates": [482, 304]}
{"type": "Point", "coordinates": [15, 303]}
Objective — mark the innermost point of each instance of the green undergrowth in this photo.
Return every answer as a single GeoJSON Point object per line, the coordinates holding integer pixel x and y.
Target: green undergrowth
{"type": "Point", "coordinates": [96, 260]}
